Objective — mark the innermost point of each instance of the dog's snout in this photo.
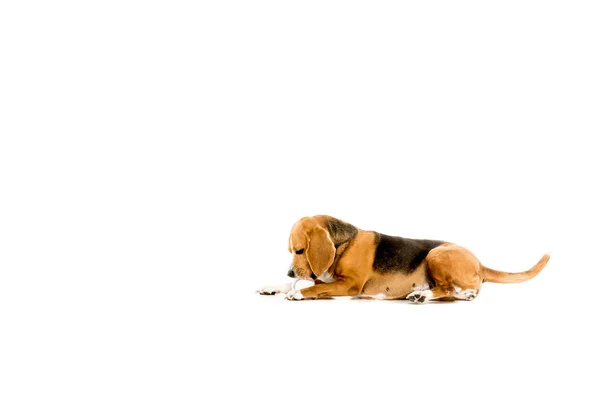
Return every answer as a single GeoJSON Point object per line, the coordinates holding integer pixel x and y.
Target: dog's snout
{"type": "Point", "coordinates": [291, 273]}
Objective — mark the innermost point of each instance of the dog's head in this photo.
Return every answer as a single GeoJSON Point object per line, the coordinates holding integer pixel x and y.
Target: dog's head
{"type": "Point", "coordinates": [312, 248]}
{"type": "Point", "coordinates": [313, 243]}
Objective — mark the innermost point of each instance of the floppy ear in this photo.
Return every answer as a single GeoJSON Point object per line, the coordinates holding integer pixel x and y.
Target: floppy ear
{"type": "Point", "coordinates": [320, 251]}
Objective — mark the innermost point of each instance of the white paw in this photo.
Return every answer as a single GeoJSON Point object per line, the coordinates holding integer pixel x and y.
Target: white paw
{"type": "Point", "coordinates": [294, 295]}
{"type": "Point", "coordinates": [274, 289]}
{"type": "Point", "coordinates": [419, 297]}
{"type": "Point", "coordinates": [468, 294]}
{"type": "Point", "coordinates": [268, 290]}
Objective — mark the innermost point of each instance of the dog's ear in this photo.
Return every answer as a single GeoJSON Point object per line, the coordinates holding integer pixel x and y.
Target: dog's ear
{"type": "Point", "coordinates": [320, 250]}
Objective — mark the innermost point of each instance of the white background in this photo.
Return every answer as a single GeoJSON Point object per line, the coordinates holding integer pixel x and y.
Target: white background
{"type": "Point", "coordinates": [154, 155]}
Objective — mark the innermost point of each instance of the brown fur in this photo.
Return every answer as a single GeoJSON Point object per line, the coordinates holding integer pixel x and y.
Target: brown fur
{"type": "Point", "coordinates": [451, 271]}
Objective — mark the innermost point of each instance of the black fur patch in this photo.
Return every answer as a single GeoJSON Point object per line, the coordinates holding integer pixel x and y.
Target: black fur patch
{"type": "Point", "coordinates": [340, 231]}
{"type": "Point", "coordinates": [397, 254]}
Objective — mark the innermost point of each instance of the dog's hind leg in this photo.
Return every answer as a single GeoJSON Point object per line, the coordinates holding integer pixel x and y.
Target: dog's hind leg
{"type": "Point", "coordinates": [456, 273]}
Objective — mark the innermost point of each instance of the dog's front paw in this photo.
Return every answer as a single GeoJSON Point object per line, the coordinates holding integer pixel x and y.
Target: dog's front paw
{"type": "Point", "coordinates": [269, 290]}
{"type": "Point", "coordinates": [419, 297]}
{"type": "Point", "coordinates": [275, 289]}
{"type": "Point", "coordinates": [294, 295]}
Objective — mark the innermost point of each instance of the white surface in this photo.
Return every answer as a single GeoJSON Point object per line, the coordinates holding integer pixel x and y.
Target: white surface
{"type": "Point", "coordinates": [153, 157]}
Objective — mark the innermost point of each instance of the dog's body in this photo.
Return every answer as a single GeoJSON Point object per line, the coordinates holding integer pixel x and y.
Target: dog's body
{"type": "Point", "coordinates": [347, 261]}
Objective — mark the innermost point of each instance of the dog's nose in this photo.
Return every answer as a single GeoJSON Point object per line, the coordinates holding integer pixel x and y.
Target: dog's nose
{"type": "Point", "coordinates": [291, 273]}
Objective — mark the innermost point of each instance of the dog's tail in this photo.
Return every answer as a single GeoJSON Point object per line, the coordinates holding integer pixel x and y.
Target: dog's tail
{"type": "Point", "coordinates": [491, 275]}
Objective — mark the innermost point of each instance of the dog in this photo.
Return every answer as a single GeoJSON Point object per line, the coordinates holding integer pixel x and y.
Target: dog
{"type": "Point", "coordinates": [346, 261]}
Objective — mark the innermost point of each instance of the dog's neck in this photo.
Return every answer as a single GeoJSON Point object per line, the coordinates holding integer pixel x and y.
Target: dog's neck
{"type": "Point", "coordinates": [339, 251]}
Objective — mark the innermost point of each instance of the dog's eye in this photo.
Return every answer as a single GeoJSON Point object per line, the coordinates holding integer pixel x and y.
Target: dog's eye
{"type": "Point", "coordinates": [300, 251]}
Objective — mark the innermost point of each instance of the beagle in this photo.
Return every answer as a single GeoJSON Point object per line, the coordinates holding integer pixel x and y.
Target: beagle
{"type": "Point", "coordinates": [346, 261]}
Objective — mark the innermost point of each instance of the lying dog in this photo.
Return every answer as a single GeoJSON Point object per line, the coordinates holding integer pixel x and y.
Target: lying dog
{"type": "Point", "coordinates": [346, 261]}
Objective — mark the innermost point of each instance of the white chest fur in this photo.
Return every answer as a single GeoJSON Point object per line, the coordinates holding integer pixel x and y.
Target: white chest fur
{"type": "Point", "coordinates": [326, 277]}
